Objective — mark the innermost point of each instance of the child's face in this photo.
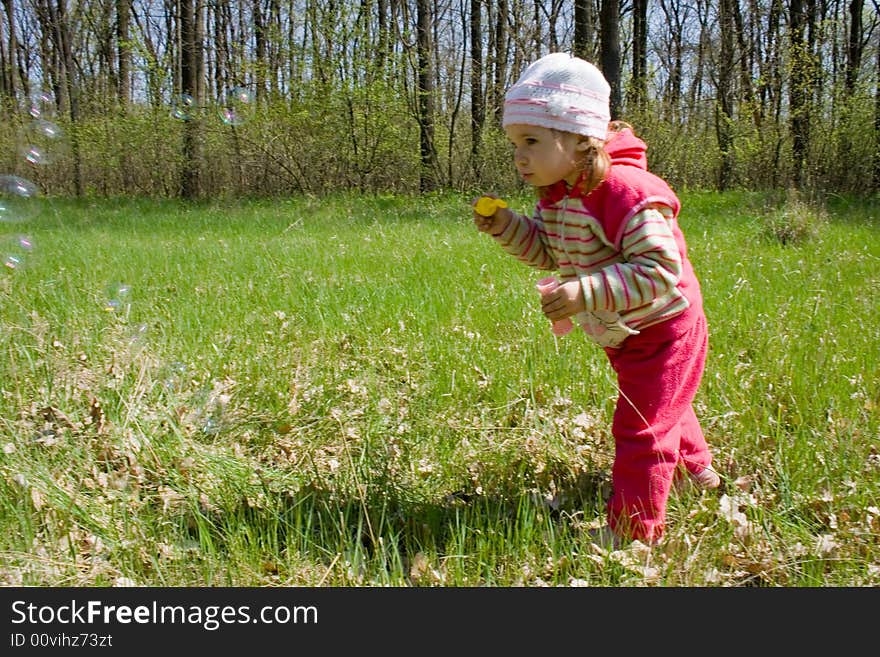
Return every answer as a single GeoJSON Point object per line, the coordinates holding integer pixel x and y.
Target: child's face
{"type": "Point", "coordinates": [543, 156]}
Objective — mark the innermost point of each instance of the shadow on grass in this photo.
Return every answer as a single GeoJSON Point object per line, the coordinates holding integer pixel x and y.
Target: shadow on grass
{"type": "Point", "coordinates": [385, 529]}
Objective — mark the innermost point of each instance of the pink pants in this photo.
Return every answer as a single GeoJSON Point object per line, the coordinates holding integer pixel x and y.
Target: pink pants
{"type": "Point", "coordinates": [655, 428]}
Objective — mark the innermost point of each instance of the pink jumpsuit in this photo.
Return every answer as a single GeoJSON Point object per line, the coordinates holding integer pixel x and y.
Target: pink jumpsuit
{"type": "Point", "coordinates": [655, 428]}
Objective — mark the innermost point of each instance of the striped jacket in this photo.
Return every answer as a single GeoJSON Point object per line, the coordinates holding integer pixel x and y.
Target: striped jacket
{"type": "Point", "coordinates": [622, 241]}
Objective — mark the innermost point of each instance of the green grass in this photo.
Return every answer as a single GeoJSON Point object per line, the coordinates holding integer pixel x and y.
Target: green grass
{"type": "Point", "coordinates": [362, 391]}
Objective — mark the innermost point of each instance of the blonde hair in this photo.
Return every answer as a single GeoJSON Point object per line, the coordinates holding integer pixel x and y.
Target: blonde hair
{"type": "Point", "coordinates": [594, 162]}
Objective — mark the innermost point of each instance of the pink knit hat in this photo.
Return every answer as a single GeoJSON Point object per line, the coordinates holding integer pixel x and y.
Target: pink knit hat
{"type": "Point", "coordinates": [562, 92]}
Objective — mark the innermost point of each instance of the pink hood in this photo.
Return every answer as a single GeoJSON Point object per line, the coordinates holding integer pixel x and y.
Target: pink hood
{"type": "Point", "coordinates": [625, 148]}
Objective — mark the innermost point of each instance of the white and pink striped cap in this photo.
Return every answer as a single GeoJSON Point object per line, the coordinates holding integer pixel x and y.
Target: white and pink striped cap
{"type": "Point", "coordinates": [562, 92]}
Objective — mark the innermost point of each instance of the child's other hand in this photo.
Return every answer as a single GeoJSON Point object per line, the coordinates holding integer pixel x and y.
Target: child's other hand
{"type": "Point", "coordinates": [565, 301]}
{"type": "Point", "coordinates": [495, 223]}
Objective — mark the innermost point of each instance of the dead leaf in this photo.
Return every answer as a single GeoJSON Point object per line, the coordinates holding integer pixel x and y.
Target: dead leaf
{"type": "Point", "coordinates": [422, 572]}
{"type": "Point", "coordinates": [96, 413]}
{"type": "Point", "coordinates": [37, 498]}
{"type": "Point", "coordinates": [56, 417]}
{"type": "Point", "coordinates": [744, 483]}
{"type": "Point", "coordinates": [826, 545]}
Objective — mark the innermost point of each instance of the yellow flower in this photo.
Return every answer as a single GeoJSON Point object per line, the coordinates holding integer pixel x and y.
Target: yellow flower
{"type": "Point", "coordinates": [487, 206]}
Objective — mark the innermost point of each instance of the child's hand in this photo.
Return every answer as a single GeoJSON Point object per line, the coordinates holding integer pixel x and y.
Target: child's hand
{"type": "Point", "coordinates": [491, 214]}
{"type": "Point", "coordinates": [565, 301]}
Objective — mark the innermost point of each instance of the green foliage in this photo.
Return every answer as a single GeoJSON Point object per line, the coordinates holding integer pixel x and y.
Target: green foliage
{"type": "Point", "coordinates": [364, 136]}
{"type": "Point", "coordinates": [679, 153]}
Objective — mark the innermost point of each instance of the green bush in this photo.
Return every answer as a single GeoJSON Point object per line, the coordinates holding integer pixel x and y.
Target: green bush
{"type": "Point", "coordinates": [365, 137]}
{"type": "Point", "coordinates": [796, 220]}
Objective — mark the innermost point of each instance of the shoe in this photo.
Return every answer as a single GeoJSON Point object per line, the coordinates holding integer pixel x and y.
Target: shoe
{"type": "Point", "coordinates": [705, 479]}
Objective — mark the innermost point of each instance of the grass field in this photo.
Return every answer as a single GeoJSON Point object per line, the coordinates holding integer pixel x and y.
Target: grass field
{"type": "Point", "coordinates": [358, 390]}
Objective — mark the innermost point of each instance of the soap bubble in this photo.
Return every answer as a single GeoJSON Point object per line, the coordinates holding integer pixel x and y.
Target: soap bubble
{"type": "Point", "coordinates": [237, 107]}
{"type": "Point", "coordinates": [137, 336]}
{"type": "Point", "coordinates": [42, 105]}
{"type": "Point", "coordinates": [117, 296]}
{"type": "Point", "coordinates": [182, 107]}
{"type": "Point", "coordinates": [174, 376]}
{"type": "Point", "coordinates": [17, 199]}
{"type": "Point", "coordinates": [212, 426]}
{"type": "Point", "coordinates": [16, 252]}
{"type": "Point", "coordinates": [42, 142]}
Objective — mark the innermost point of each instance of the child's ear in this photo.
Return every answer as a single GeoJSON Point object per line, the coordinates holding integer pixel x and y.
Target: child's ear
{"type": "Point", "coordinates": [582, 145]}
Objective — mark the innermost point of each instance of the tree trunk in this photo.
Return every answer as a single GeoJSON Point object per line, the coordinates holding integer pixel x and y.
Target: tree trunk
{"type": "Point", "coordinates": [428, 154]}
{"type": "Point", "coordinates": [500, 60]}
{"type": "Point", "coordinates": [8, 58]}
{"type": "Point", "coordinates": [199, 48]}
{"type": "Point", "coordinates": [123, 52]}
{"type": "Point", "coordinates": [640, 54]}
{"type": "Point", "coordinates": [478, 115]}
{"type": "Point", "coordinates": [538, 31]}
{"type": "Point", "coordinates": [50, 60]}
{"type": "Point", "coordinates": [222, 50]}
{"type": "Point", "coordinates": [772, 96]}
{"type": "Point", "coordinates": [62, 41]}
{"type": "Point", "coordinates": [877, 123]}
{"type": "Point", "coordinates": [260, 64]}
{"type": "Point", "coordinates": [610, 51]}
{"type": "Point", "coordinates": [799, 92]}
{"type": "Point", "coordinates": [855, 46]}
{"type": "Point", "coordinates": [747, 94]}
{"type": "Point", "coordinates": [583, 29]}
{"type": "Point", "coordinates": [724, 107]}
{"type": "Point", "coordinates": [384, 38]}
{"type": "Point", "coordinates": [123, 84]}
{"type": "Point", "coordinates": [190, 184]}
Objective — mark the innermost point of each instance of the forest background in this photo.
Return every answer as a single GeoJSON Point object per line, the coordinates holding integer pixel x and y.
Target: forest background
{"type": "Point", "coordinates": [198, 99]}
